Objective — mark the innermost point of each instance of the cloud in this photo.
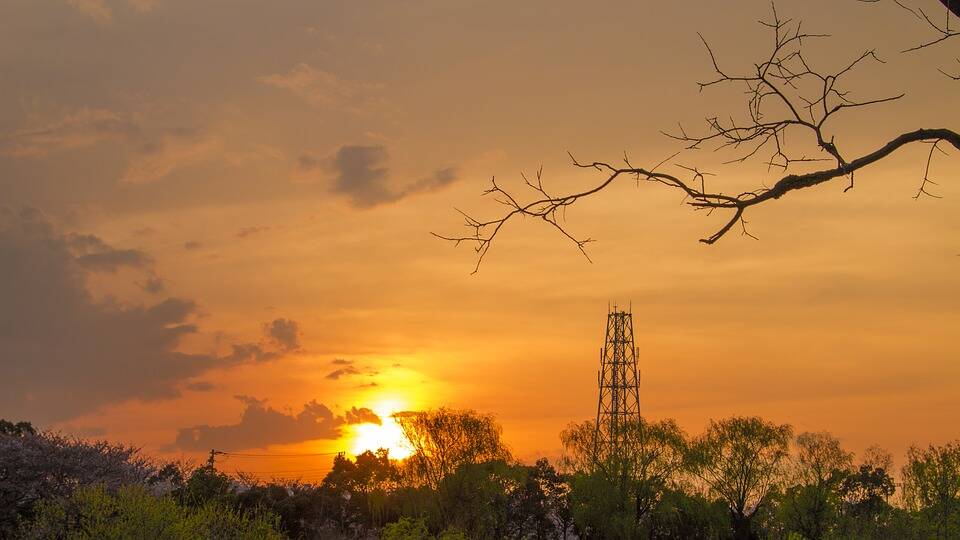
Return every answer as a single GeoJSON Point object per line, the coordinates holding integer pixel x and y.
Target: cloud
{"type": "Point", "coordinates": [153, 285]}
{"type": "Point", "coordinates": [361, 173]}
{"type": "Point", "coordinates": [101, 13]}
{"type": "Point", "coordinates": [261, 426]}
{"type": "Point", "coordinates": [98, 10]}
{"type": "Point", "coordinates": [173, 149]}
{"type": "Point", "coordinates": [324, 89]}
{"type": "Point", "coordinates": [95, 255]}
{"type": "Point", "coordinates": [66, 354]}
{"type": "Point", "coordinates": [82, 128]}
{"type": "Point", "coordinates": [341, 362]}
{"type": "Point", "coordinates": [285, 333]}
{"type": "Point", "coordinates": [200, 386]}
{"type": "Point", "coordinates": [336, 374]}
{"type": "Point", "coordinates": [192, 245]}
{"type": "Point", "coordinates": [250, 231]}
{"type": "Point", "coordinates": [362, 416]}
{"type": "Point", "coordinates": [153, 155]}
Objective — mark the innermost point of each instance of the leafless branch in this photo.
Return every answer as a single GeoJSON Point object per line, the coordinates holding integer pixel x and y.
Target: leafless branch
{"type": "Point", "coordinates": [785, 94]}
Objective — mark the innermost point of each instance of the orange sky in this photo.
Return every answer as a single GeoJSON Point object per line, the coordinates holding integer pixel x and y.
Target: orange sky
{"type": "Point", "coordinates": [287, 162]}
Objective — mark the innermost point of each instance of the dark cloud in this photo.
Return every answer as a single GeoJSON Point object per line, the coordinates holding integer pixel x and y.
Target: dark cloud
{"type": "Point", "coordinates": [361, 416]}
{"type": "Point", "coordinates": [65, 354]}
{"type": "Point", "coordinates": [200, 386]}
{"type": "Point", "coordinates": [361, 173]}
{"type": "Point", "coordinates": [153, 285]}
{"type": "Point", "coordinates": [261, 426]}
{"type": "Point", "coordinates": [250, 231]}
{"type": "Point", "coordinates": [95, 255]}
{"type": "Point", "coordinates": [285, 333]}
{"type": "Point", "coordinates": [438, 180]}
{"type": "Point", "coordinates": [349, 370]}
{"type": "Point", "coordinates": [341, 362]}
{"type": "Point", "coordinates": [192, 245]}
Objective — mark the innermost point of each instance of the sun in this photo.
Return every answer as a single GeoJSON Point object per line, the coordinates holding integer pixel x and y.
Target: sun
{"type": "Point", "coordinates": [385, 435]}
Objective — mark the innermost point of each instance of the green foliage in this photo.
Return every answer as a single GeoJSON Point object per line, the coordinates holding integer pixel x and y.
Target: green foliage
{"type": "Point", "coordinates": [691, 516]}
{"type": "Point", "coordinates": [206, 485]}
{"type": "Point", "coordinates": [931, 488]}
{"type": "Point", "coordinates": [741, 461]}
{"type": "Point", "coordinates": [444, 439]}
{"type": "Point", "coordinates": [812, 506]}
{"type": "Point", "coordinates": [94, 513]}
{"type": "Point", "coordinates": [477, 498]}
{"type": "Point", "coordinates": [406, 529]}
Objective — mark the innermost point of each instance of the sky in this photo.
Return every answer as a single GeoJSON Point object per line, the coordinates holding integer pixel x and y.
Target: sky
{"type": "Point", "coordinates": [215, 224]}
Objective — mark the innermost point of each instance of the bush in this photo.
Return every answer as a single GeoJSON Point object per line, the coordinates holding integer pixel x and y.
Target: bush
{"type": "Point", "coordinates": [406, 529]}
{"type": "Point", "coordinates": [92, 512]}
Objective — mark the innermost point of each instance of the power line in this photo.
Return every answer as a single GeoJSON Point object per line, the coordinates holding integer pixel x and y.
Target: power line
{"type": "Point", "coordinates": [316, 454]}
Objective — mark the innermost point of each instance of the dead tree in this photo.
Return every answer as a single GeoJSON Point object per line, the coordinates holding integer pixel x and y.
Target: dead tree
{"type": "Point", "coordinates": [786, 95]}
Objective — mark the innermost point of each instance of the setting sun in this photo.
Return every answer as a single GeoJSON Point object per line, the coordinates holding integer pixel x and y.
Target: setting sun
{"type": "Point", "coordinates": [385, 435]}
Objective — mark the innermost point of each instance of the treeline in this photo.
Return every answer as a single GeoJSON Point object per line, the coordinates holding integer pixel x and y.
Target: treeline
{"type": "Point", "coordinates": [742, 478]}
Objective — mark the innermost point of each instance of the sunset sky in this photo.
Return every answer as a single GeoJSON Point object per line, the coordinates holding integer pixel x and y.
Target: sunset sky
{"type": "Point", "coordinates": [215, 224]}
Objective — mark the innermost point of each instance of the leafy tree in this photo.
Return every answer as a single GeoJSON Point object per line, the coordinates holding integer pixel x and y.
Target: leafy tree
{"type": "Point", "coordinates": [865, 492]}
{"type": "Point", "coordinates": [480, 499]}
{"type": "Point", "coordinates": [19, 429]}
{"type": "Point", "coordinates": [358, 492]}
{"type": "Point", "coordinates": [741, 461]}
{"type": "Point", "coordinates": [811, 506]}
{"type": "Point", "coordinates": [687, 515]}
{"type": "Point", "coordinates": [931, 487]}
{"type": "Point", "coordinates": [542, 503]}
{"type": "Point", "coordinates": [444, 439]}
{"type": "Point", "coordinates": [205, 485]}
{"type": "Point", "coordinates": [636, 476]}
{"type": "Point", "coordinates": [92, 512]}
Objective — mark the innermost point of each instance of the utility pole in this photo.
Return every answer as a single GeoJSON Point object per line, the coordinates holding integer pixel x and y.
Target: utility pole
{"type": "Point", "coordinates": [212, 460]}
{"type": "Point", "coordinates": [618, 406]}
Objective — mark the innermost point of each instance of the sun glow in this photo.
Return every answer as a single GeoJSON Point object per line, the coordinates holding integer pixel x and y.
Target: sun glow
{"type": "Point", "coordinates": [385, 435]}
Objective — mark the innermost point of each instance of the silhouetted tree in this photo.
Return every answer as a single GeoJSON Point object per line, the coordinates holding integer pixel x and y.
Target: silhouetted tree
{"type": "Point", "coordinates": [635, 477]}
{"type": "Point", "coordinates": [931, 487]}
{"type": "Point", "coordinates": [741, 461]}
{"type": "Point", "coordinates": [811, 506]}
{"type": "Point", "coordinates": [42, 466]}
{"type": "Point", "coordinates": [866, 493]}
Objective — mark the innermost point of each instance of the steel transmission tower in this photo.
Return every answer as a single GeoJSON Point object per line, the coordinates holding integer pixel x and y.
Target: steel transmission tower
{"type": "Point", "coordinates": [618, 407]}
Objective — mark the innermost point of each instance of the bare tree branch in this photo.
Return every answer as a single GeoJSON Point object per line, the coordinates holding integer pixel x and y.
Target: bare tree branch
{"type": "Point", "coordinates": [785, 94]}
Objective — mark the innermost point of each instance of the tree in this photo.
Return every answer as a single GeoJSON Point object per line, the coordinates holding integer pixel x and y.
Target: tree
{"type": "Point", "coordinates": [791, 110]}
{"type": "Point", "coordinates": [931, 487]}
{"type": "Point", "coordinates": [40, 466]}
{"type": "Point", "coordinates": [542, 503]}
{"type": "Point", "coordinates": [443, 439]}
{"type": "Point", "coordinates": [741, 461]}
{"type": "Point", "coordinates": [481, 499]}
{"type": "Point", "coordinates": [629, 483]}
{"type": "Point", "coordinates": [811, 506]}
{"type": "Point", "coordinates": [20, 429]}
{"type": "Point", "coordinates": [865, 493]}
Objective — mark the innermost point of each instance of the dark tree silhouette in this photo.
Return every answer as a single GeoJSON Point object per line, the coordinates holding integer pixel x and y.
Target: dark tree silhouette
{"type": "Point", "coordinates": [787, 97]}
